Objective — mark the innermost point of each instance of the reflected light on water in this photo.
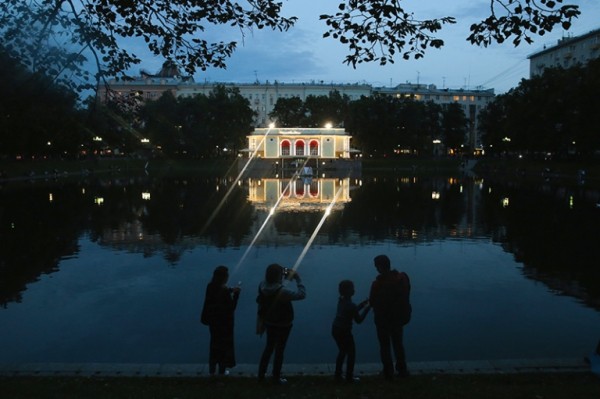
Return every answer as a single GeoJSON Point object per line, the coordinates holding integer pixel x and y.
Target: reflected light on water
{"type": "Point", "coordinates": [86, 296]}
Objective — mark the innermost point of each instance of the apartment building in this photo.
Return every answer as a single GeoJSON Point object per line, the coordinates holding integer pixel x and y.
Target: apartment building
{"type": "Point", "coordinates": [568, 52]}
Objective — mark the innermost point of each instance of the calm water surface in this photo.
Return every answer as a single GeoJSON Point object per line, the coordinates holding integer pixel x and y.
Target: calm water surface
{"type": "Point", "coordinates": [114, 269]}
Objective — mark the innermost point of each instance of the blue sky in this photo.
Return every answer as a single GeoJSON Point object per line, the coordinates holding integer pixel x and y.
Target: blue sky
{"type": "Point", "coordinates": [302, 55]}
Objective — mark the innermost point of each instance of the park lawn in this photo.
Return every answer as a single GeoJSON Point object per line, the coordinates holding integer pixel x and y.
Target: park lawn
{"type": "Point", "coordinates": [492, 386]}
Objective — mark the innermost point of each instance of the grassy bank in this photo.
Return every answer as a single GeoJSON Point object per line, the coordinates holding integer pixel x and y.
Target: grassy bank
{"type": "Point", "coordinates": [497, 386]}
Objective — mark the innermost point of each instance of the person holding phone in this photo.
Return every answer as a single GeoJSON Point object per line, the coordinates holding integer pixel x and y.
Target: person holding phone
{"type": "Point", "coordinates": [276, 310]}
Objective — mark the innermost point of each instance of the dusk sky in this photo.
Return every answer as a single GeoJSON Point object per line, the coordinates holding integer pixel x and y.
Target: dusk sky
{"type": "Point", "coordinates": [302, 55]}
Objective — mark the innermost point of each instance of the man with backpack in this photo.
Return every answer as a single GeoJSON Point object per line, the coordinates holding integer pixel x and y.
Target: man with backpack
{"type": "Point", "coordinates": [390, 300]}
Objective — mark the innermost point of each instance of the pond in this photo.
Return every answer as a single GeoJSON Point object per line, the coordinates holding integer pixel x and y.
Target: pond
{"type": "Point", "coordinates": [114, 268]}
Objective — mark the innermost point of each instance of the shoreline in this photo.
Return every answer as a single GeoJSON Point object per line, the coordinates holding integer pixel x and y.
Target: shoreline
{"type": "Point", "coordinates": [145, 370]}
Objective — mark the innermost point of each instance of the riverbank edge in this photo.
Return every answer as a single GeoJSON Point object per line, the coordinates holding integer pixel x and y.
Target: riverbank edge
{"type": "Point", "coordinates": [466, 367]}
{"type": "Point", "coordinates": [51, 167]}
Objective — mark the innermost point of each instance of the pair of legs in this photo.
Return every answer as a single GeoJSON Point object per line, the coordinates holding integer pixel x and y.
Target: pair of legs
{"type": "Point", "coordinates": [221, 353]}
{"type": "Point", "coordinates": [276, 340]}
{"type": "Point", "coordinates": [390, 336]}
{"type": "Point", "coordinates": [347, 349]}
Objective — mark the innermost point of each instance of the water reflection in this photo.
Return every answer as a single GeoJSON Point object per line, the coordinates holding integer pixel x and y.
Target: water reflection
{"type": "Point", "coordinates": [552, 230]}
{"type": "Point", "coordinates": [300, 194]}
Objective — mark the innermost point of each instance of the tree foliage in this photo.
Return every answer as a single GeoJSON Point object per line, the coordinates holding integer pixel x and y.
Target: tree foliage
{"type": "Point", "coordinates": [288, 112]}
{"type": "Point", "coordinates": [378, 30]}
{"type": "Point", "coordinates": [61, 37]}
{"type": "Point", "coordinates": [56, 35]}
{"type": "Point", "coordinates": [37, 117]}
{"type": "Point", "coordinates": [198, 126]}
{"type": "Point", "coordinates": [383, 126]}
{"type": "Point", "coordinates": [556, 112]}
{"type": "Point", "coordinates": [454, 125]}
{"type": "Point", "coordinates": [315, 111]}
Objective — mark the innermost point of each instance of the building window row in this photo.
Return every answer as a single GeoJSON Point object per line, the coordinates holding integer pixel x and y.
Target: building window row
{"type": "Point", "coordinates": [299, 148]}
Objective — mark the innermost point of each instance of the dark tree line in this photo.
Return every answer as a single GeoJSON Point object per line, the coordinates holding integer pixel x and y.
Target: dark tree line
{"type": "Point", "coordinates": [210, 125]}
{"type": "Point", "coordinates": [37, 116]}
{"type": "Point", "coordinates": [41, 118]}
{"type": "Point", "coordinates": [315, 111]}
{"type": "Point", "coordinates": [556, 112]}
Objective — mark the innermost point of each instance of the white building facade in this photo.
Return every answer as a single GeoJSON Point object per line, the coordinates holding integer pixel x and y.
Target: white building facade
{"type": "Point", "coordinates": [568, 52]}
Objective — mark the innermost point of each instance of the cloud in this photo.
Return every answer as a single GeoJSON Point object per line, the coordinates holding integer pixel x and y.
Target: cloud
{"type": "Point", "coordinates": [303, 55]}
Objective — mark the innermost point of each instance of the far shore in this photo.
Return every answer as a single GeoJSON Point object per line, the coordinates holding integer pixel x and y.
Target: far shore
{"type": "Point", "coordinates": [574, 171]}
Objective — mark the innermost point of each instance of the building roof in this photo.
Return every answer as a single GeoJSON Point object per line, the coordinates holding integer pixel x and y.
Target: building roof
{"type": "Point", "coordinates": [564, 42]}
{"type": "Point", "coordinates": [299, 131]}
{"type": "Point", "coordinates": [430, 89]}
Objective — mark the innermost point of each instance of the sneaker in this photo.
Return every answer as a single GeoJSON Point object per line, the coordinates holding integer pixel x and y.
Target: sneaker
{"type": "Point", "coordinates": [280, 381]}
{"type": "Point", "coordinates": [352, 380]}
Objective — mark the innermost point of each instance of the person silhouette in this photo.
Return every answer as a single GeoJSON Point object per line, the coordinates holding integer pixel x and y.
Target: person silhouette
{"type": "Point", "coordinates": [218, 310]}
{"type": "Point", "coordinates": [341, 329]}
{"type": "Point", "coordinates": [275, 308]}
{"type": "Point", "coordinates": [390, 299]}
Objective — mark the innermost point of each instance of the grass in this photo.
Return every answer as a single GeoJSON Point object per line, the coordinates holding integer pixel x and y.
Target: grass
{"type": "Point", "coordinates": [500, 386]}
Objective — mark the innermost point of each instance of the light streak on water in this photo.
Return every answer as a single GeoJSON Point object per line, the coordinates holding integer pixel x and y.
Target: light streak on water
{"type": "Point", "coordinates": [314, 234]}
{"type": "Point", "coordinates": [268, 218]}
{"type": "Point", "coordinates": [218, 207]}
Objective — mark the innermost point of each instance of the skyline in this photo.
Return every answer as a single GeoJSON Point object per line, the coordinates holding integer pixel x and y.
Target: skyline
{"type": "Point", "coordinates": [302, 55]}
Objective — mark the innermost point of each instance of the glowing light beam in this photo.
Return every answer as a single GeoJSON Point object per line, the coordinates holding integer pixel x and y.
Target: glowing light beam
{"type": "Point", "coordinates": [271, 213]}
{"type": "Point", "coordinates": [314, 234]}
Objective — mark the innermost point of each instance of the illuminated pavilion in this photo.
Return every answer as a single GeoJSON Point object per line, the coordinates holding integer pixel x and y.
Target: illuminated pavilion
{"type": "Point", "coordinates": [289, 148]}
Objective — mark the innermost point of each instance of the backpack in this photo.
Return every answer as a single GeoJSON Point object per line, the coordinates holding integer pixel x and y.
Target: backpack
{"type": "Point", "coordinates": [394, 297]}
{"type": "Point", "coordinates": [404, 300]}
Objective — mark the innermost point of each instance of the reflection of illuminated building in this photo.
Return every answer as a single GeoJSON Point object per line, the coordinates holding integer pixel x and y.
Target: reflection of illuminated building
{"type": "Point", "coordinates": [303, 194]}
